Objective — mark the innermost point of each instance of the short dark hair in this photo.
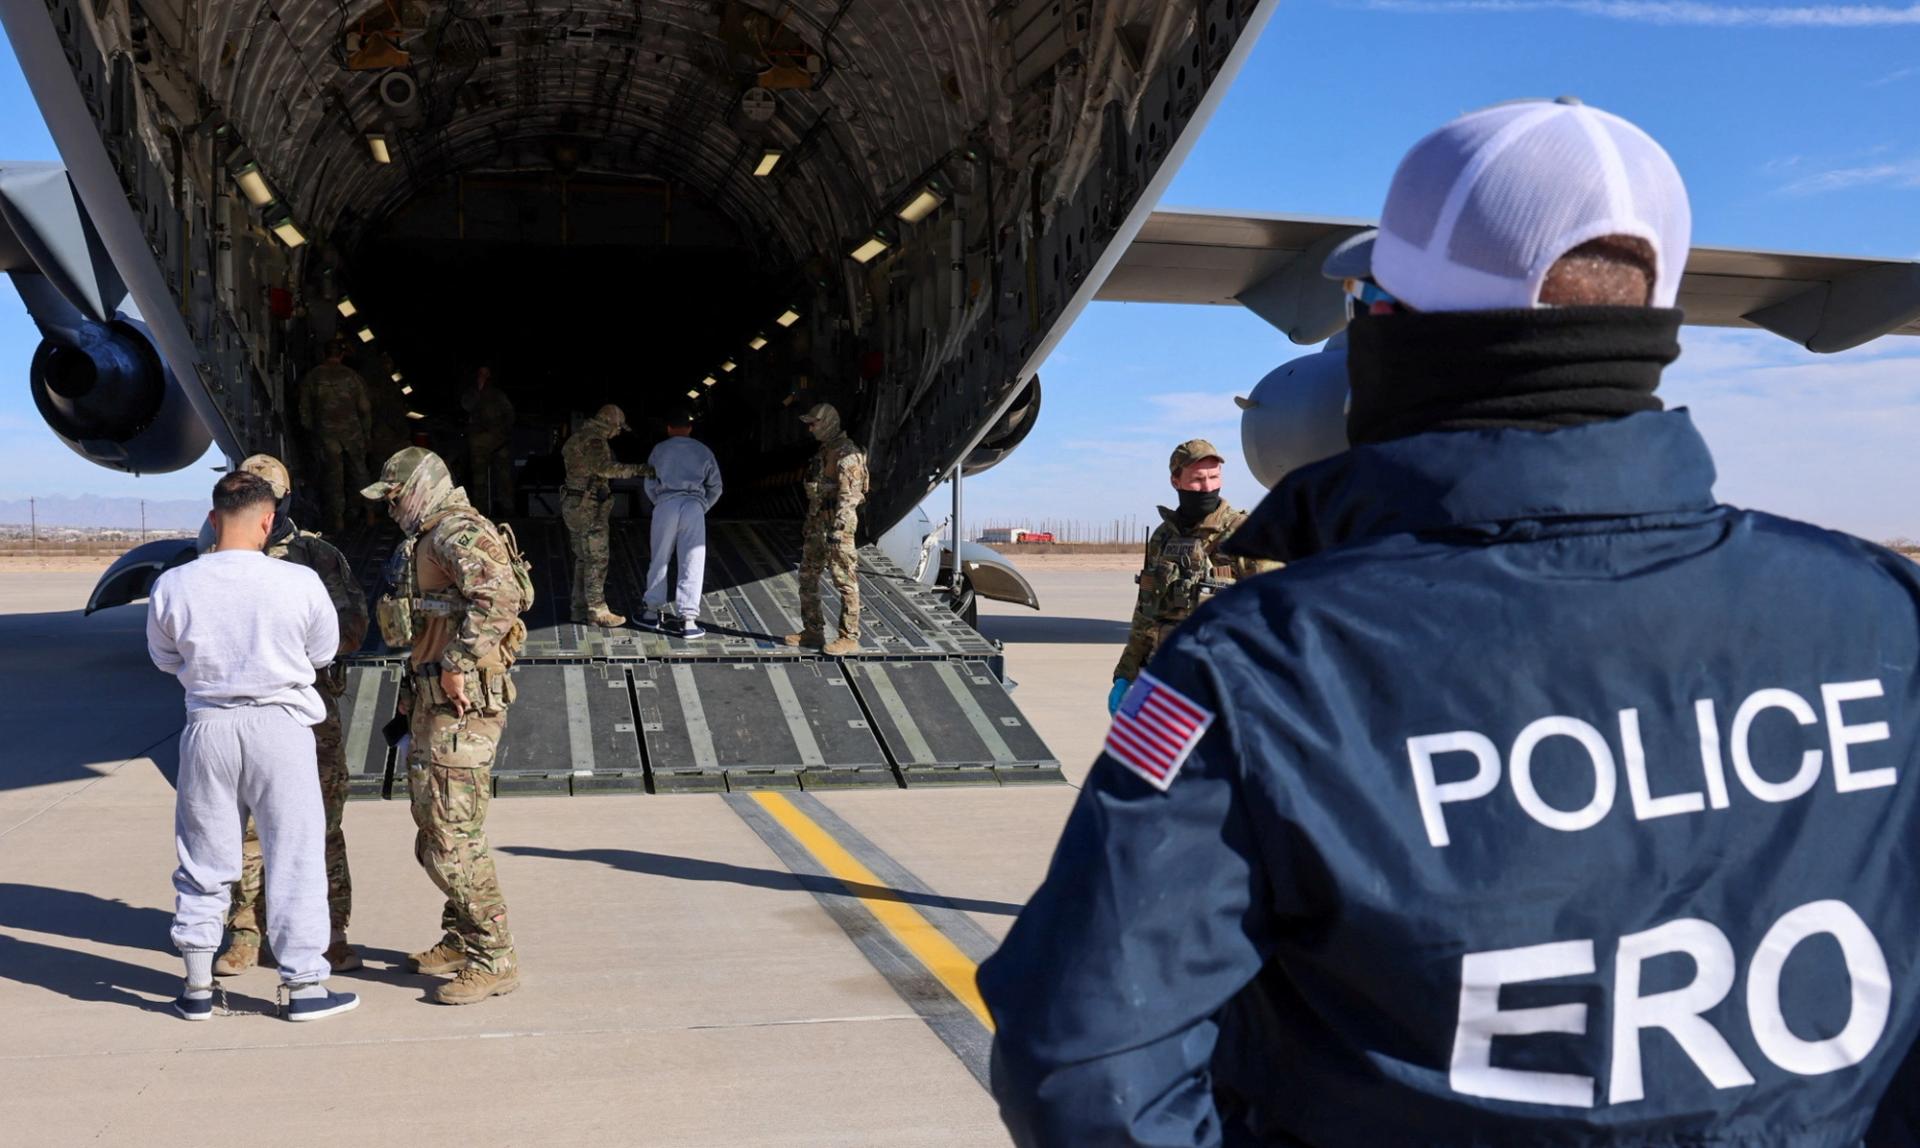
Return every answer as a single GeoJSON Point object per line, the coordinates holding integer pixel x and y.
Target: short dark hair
{"type": "Point", "coordinates": [241, 491]}
{"type": "Point", "coordinates": [679, 418]}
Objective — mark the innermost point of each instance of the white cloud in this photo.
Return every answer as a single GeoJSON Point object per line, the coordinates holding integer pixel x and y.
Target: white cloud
{"type": "Point", "coordinates": [1680, 12]}
{"type": "Point", "coordinates": [1893, 77]}
{"type": "Point", "coordinates": [1902, 173]}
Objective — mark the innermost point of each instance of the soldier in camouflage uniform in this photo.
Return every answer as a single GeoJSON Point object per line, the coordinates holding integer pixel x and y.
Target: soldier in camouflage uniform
{"type": "Point", "coordinates": [1182, 566]}
{"type": "Point", "coordinates": [290, 543]}
{"type": "Point", "coordinates": [490, 417]}
{"type": "Point", "coordinates": [585, 506]}
{"type": "Point", "coordinates": [836, 486]}
{"type": "Point", "coordinates": [456, 603]}
{"type": "Point", "coordinates": [338, 419]}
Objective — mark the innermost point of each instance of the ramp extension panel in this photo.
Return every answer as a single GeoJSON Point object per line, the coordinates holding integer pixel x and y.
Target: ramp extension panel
{"type": "Point", "coordinates": [923, 701]}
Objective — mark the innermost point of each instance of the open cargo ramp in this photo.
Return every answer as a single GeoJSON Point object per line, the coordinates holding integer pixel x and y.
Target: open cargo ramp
{"type": "Point", "coordinates": [923, 701]}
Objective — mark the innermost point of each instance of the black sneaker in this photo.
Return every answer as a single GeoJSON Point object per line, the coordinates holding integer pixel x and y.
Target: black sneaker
{"type": "Point", "coordinates": [194, 1008]}
{"type": "Point", "coordinates": [320, 1008]}
{"type": "Point", "coordinates": [690, 629]}
{"type": "Point", "coordinates": [648, 619]}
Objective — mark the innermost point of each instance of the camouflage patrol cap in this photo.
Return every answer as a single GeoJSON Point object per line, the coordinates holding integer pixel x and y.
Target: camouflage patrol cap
{"type": "Point", "coordinates": [398, 470]}
{"type": "Point", "coordinates": [612, 415]}
{"type": "Point", "coordinates": [271, 469]}
{"type": "Point", "coordinates": [1192, 451]}
{"type": "Point", "coordinates": [820, 412]}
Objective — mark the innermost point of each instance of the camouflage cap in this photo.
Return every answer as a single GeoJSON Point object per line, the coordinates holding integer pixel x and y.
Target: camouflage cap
{"type": "Point", "coordinates": [819, 412]}
{"type": "Point", "coordinates": [1190, 452]}
{"type": "Point", "coordinates": [271, 469]}
{"type": "Point", "coordinates": [397, 471]}
{"type": "Point", "coordinates": [612, 415]}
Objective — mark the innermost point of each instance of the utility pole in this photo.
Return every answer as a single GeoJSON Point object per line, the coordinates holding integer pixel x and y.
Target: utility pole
{"type": "Point", "coordinates": [33, 525]}
{"type": "Point", "coordinates": [143, 520]}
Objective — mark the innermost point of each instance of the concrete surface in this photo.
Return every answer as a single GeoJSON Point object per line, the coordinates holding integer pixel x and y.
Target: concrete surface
{"type": "Point", "coordinates": [682, 987]}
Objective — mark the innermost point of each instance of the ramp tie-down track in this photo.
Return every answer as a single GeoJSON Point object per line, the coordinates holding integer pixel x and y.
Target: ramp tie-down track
{"type": "Point", "coordinates": [923, 701]}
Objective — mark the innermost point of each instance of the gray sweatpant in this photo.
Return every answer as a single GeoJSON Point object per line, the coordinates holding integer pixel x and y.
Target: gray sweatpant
{"type": "Point", "coordinates": [256, 760]}
{"type": "Point", "coordinates": [679, 525]}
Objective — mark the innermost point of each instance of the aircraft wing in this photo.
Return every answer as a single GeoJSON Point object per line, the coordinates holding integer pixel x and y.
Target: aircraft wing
{"type": "Point", "coordinates": [1270, 264]}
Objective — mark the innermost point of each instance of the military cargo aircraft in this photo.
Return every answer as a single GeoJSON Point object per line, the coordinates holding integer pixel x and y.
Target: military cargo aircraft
{"type": "Point", "coordinates": [749, 207]}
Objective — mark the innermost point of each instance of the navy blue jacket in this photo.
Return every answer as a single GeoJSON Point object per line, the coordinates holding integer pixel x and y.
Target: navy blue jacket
{"type": "Point", "coordinates": [1545, 801]}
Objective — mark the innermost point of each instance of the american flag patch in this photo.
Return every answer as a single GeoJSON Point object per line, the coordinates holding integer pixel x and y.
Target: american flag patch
{"type": "Point", "coordinates": [1154, 730]}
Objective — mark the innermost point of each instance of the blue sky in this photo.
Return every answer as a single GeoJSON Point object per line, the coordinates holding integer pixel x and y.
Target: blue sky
{"type": "Point", "coordinates": [1792, 125]}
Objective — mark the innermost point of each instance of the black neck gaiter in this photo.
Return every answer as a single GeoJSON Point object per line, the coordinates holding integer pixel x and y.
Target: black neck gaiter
{"type": "Point", "coordinates": [1196, 505]}
{"type": "Point", "coordinates": [1531, 369]}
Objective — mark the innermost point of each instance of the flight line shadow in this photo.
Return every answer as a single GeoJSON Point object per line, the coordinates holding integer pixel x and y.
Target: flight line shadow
{"type": "Point", "coordinates": [694, 869]}
{"type": "Point", "coordinates": [81, 975]}
{"type": "Point", "coordinates": [79, 698]}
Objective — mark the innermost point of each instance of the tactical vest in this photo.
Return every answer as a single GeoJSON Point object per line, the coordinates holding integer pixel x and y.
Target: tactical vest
{"type": "Point", "coordinates": [823, 475]}
{"type": "Point", "coordinates": [408, 611]}
{"type": "Point", "coordinates": [1186, 569]}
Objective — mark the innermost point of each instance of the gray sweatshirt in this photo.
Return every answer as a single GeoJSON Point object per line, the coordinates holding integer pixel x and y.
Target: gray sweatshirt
{"type": "Point", "coordinates": [683, 467]}
{"type": "Point", "coordinates": [241, 629]}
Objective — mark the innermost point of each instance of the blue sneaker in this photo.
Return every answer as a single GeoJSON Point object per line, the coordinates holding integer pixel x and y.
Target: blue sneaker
{"type": "Point", "coordinates": [194, 1008]}
{"type": "Point", "coordinates": [320, 1008]}
{"type": "Point", "coordinates": [649, 619]}
{"type": "Point", "coordinates": [690, 629]}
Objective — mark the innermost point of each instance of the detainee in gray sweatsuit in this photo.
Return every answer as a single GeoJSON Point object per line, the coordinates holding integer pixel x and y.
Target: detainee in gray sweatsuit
{"type": "Point", "coordinates": [245, 634]}
{"type": "Point", "coordinates": [684, 486]}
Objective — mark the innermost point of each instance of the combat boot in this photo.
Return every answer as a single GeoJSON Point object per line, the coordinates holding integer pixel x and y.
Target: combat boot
{"type": "Point", "coordinates": [444, 957]}
{"type": "Point", "coordinates": [841, 646]}
{"type": "Point", "coordinates": [343, 957]}
{"type": "Point", "coordinates": [806, 638]}
{"type": "Point", "coordinates": [239, 957]}
{"type": "Point", "coordinates": [475, 985]}
{"type": "Point", "coordinates": [601, 616]}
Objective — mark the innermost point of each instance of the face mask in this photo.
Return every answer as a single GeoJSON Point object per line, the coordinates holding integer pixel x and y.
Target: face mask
{"type": "Point", "coordinates": [1197, 504]}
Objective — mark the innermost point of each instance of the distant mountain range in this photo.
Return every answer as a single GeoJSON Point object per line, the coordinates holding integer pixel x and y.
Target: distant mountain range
{"type": "Point", "coordinates": [93, 511]}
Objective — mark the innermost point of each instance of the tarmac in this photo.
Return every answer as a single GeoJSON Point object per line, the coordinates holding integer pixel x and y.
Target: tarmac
{"type": "Point", "coordinates": [748, 969]}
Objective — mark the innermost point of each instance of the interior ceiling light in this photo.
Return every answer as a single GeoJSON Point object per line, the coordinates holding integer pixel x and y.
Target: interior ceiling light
{"type": "Point", "coordinates": [347, 309]}
{"type": "Point", "coordinates": [727, 366]}
{"type": "Point", "coordinates": [769, 160]}
{"type": "Point", "coordinates": [875, 244]}
{"type": "Point", "coordinates": [366, 334]}
{"type": "Point", "coordinates": [757, 342]}
{"type": "Point", "coordinates": [396, 376]}
{"type": "Point", "coordinates": [693, 394]}
{"type": "Point", "coordinates": [415, 415]}
{"type": "Point", "coordinates": [922, 205]}
{"type": "Point", "coordinates": [406, 390]}
{"type": "Point", "coordinates": [253, 184]}
{"type": "Point", "coordinates": [281, 223]}
{"type": "Point", "coordinates": [788, 317]}
{"type": "Point", "coordinates": [377, 144]}
{"type": "Point", "coordinates": [708, 381]}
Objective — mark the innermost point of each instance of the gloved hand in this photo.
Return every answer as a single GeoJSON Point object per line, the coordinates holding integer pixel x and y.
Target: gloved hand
{"type": "Point", "coordinates": [1120, 688]}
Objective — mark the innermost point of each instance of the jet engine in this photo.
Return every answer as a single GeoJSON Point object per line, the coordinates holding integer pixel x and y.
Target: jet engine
{"type": "Point", "coordinates": [1297, 414]}
{"type": "Point", "coordinates": [1008, 432]}
{"type": "Point", "coordinates": [104, 390]}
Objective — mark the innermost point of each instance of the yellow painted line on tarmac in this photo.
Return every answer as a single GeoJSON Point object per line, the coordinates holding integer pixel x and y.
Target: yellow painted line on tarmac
{"type": "Point", "coordinates": [928, 944]}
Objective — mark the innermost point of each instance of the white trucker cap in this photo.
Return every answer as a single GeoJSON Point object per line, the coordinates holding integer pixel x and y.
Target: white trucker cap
{"type": "Point", "coordinates": [1481, 209]}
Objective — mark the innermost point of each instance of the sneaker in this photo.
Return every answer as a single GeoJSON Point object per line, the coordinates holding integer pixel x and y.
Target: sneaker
{"type": "Point", "coordinates": [322, 1007]}
{"type": "Point", "coordinates": [442, 958]}
{"type": "Point", "coordinates": [649, 619]}
{"type": "Point", "coordinates": [475, 985]}
{"type": "Point", "coordinates": [690, 629]}
{"type": "Point", "coordinates": [195, 1008]}
{"type": "Point", "coordinates": [239, 957]}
